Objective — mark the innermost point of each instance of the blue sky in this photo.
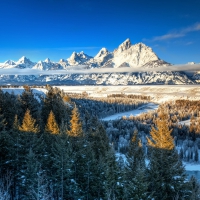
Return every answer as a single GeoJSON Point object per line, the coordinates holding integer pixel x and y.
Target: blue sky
{"type": "Point", "coordinates": [55, 28]}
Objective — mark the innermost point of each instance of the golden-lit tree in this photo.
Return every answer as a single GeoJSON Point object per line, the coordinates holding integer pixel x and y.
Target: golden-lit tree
{"type": "Point", "coordinates": [75, 124]}
{"type": "Point", "coordinates": [51, 126]}
{"type": "Point", "coordinates": [28, 123]}
{"type": "Point", "coordinates": [165, 172]}
{"type": "Point", "coordinates": [161, 135]}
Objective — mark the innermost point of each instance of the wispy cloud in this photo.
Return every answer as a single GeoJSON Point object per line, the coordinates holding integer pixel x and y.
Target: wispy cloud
{"type": "Point", "coordinates": [189, 43]}
{"type": "Point", "coordinates": [168, 36]}
{"type": "Point", "coordinates": [178, 33]}
{"type": "Point", "coordinates": [75, 48]}
{"type": "Point", "coordinates": [82, 70]}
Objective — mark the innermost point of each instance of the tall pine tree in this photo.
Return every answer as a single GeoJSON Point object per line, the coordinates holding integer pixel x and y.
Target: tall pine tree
{"type": "Point", "coordinates": [166, 173]}
{"type": "Point", "coordinates": [75, 124]}
{"type": "Point", "coordinates": [135, 180]}
{"type": "Point", "coordinates": [28, 123]}
{"type": "Point", "coordinates": [51, 126]}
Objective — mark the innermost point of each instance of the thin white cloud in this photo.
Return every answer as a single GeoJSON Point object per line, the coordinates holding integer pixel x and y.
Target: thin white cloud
{"type": "Point", "coordinates": [168, 36]}
{"type": "Point", "coordinates": [75, 48]}
{"type": "Point", "coordinates": [189, 43]}
{"type": "Point", "coordinates": [178, 34]}
{"type": "Point", "coordinates": [195, 27]}
{"type": "Point", "coordinates": [82, 70]}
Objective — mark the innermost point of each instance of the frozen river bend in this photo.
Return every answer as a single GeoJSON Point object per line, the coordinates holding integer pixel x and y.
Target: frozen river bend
{"type": "Point", "coordinates": [143, 109]}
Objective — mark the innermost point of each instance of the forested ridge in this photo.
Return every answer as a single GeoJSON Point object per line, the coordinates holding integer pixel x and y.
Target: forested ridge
{"type": "Point", "coordinates": [55, 148]}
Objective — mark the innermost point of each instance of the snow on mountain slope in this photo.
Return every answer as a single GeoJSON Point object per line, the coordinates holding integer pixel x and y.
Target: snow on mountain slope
{"type": "Point", "coordinates": [126, 55]}
{"type": "Point", "coordinates": [102, 79]}
{"type": "Point", "coordinates": [24, 62]}
{"type": "Point", "coordinates": [48, 65]}
{"type": "Point", "coordinates": [8, 64]}
{"type": "Point", "coordinates": [133, 55]}
{"type": "Point", "coordinates": [64, 63]}
{"type": "Point", "coordinates": [101, 59]}
{"type": "Point", "coordinates": [78, 58]}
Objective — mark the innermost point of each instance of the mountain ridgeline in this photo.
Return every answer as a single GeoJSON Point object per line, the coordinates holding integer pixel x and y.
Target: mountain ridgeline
{"type": "Point", "coordinates": [126, 55]}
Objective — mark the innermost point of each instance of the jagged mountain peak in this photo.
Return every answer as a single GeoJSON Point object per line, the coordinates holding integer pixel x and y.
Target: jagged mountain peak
{"type": "Point", "coordinates": [126, 55]}
{"type": "Point", "coordinates": [78, 58]}
{"type": "Point", "coordinates": [133, 55]}
{"type": "Point", "coordinates": [62, 60]}
{"type": "Point", "coordinates": [24, 62]}
{"type": "Point", "coordinates": [47, 60]}
{"type": "Point", "coordinates": [102, 52]}
{"type": "Point", "coordinates": [124, 46]}
{"type": "Point", "coordinates": [9, 62]}
{"type": "Point", "coordinates": [140, 46]}
{"type": "Point", "coordinates": [23, 59]}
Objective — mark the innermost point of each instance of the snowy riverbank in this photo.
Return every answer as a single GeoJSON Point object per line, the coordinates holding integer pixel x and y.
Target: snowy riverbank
{"type": "Point", "coordinates": [142, 109]}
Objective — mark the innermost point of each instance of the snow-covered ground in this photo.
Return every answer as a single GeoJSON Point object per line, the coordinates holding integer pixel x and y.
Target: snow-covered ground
{"type": "Point", "coordinates": [158, 93]}
{"type": "Point", "coordinates": [192, 166]}
{"type": "Point", "coordinates": [143, 109]}
{"type": "Point", "coordinates": [18, 91]}
{"type": "Point", "coordinates": [185, 122]}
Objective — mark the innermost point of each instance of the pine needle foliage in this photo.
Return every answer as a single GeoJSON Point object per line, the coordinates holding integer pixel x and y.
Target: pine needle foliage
{"type": "Point", "coordinates": [29, 123]}
{"type": "Point", "coordinates": [166, 174]}
{"type": "Point", "coordinates": [75, 124]}
{"type": "Point", "coordinates": [52, 126]}
{"type": "Point", "coordinates": [161, 135]}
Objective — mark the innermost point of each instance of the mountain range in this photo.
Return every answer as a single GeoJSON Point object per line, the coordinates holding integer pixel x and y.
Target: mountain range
{"type": "Point", "coordinates": [126, 55]}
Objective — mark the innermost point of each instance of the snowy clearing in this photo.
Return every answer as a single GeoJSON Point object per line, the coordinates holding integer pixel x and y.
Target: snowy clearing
{"type": "Point", "coordinates": [192, 166]}
{"type": "Point", "coordinates": [18, 91]}
{"type": "Point", "coordinates": [143, 109]}
{"type": "Point", "coordinates": [158, 93]}
{"type": "Point", "coordinates": [185, 122]}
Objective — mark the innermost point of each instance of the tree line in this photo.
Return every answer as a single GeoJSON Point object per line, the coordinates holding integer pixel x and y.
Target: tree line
{"type": "Point", "coordinates": [49, 152]}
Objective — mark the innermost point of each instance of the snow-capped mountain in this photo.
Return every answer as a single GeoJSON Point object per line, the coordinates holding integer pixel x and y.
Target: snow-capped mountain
{"type": "Point", "coordinates": [8, 64]}
{"type": "Point", "coordinates": [78, 58]}
{"type": "Point", "coordinates": [64, 63]}
{"type": "Point", "coordinates": [101, 59]}
{"type": "Point", "coordinates": [126, 55]}
{"type": "Point", "coordinates": [133, 55]}
{"type": "Point", "coordinates": [136, 78]}
{"type": "Point", "coordinates": [24, 62]}
{"type": "Point", "coordinates": [47, 64]}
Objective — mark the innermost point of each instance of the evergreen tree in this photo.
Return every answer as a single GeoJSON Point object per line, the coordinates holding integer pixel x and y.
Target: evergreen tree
{"type": "Point", "coordinates": [111, 176]}
{"type": "Point", "coordinates": [2, 122]}
{"type": "Point", "coordinates": [196, 156]}
{"type": "Point", "coordinates": [27, 101]}
{"type": "Point", "coordinates": [9, 109]}
{"type": "Point", "coordinates": [75, 124]}
{"type": "Point", "coordinates": [29, 175]}
{"type": "Point", "coordinates": [181, 154]}
{"type": "Point", "coordinates": [195, 186]}
{"type": "Point", "coordinates": [63, 159]}
{"type": "Point", "coordinates": [51, 126]}
{"type": "Point", "coordinates": [29, 124]}
{"type": "Point", "coordinates": [135, 181]}
{"type": "Point", "coordinates": [161, 135]}
{"type": "Point", "coordinates": [166, 173]}
{"type": "Point", "coordinates": [54, 102]}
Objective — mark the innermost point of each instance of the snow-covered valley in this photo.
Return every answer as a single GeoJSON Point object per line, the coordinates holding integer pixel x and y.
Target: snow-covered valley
{"type": "Point", "coordinates": [158, 93]}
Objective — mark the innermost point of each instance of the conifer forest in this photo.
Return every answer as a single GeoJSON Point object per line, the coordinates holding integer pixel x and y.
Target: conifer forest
{"type": "Point", "coordinates": [57, 147]}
